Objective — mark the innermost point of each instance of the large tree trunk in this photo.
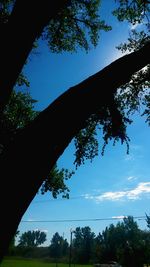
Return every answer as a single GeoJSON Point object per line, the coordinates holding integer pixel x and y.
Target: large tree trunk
{"type": "Point", "coordinates": [35, 149]}
{"type": "Point", "coordinates": [25, 25]}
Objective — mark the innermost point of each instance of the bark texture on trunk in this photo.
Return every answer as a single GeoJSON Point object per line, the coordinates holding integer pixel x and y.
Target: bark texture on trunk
{"type": "Point", "coordinates": [35, 149]}
{"type": "Point", "coordinates": [25, 25]}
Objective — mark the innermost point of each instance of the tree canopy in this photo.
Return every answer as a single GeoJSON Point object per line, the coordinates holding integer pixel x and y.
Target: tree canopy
{"type": "Point", "coordinates": [31, 143]}
{"type": "Point", "coordinates": [58, 247]}
{"type": "Point", "coordinates": [123, 242]}
{"type": "Point", "coordinates": [32, 239]}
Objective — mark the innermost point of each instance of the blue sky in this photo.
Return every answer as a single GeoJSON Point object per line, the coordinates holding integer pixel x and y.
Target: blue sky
{"type": "Point", "coordinates": [114, 185]}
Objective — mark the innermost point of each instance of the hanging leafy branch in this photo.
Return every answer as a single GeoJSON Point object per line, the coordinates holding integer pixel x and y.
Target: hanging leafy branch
{"type": "Point", "coordinates": [134, 11]}
{"type": "Point", "coordinates": [55, 182]}
{"type": "Point", "coordinates": [111, 121]}
{"type": "Point", "coordinates": [115, 118]}
{"type": "Point", "coordinates": [76, 26]}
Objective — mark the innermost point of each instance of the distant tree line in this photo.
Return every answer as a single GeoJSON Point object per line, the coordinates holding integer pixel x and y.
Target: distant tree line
{"type": "Point", "coordinates": [124, 242]}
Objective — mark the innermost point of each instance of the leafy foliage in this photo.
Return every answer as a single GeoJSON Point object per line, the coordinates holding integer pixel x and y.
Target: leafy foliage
{"type": "Point", "coordinates": [135, 94]}
{"type": "Point", "coordinates": [123, 243]}
{"type": "Point", "coordinates": [55, 182]}
{"type": "Point", "coordinates": [147, 109]}
{"type": "Point", "coordinates": [12, 244]}
{"type": "Point", "coordinates": [20, 110]}
{"type": "Point", "coordinates": [148, 221]}
{"type": "Point", "coordinates": [59, 246]}
{"type": "Point", "coordinates": [5, 10]}
{"type": "Point", "coordinates": [135, 41]}
{"type": "Point", "coordinates": [112, 121]}
{"type": "Point", "coordinates": [78, 25]}
{"type": "Point", "coordinates": [135, 11]}
{"type": "Point", "coordinates": [32, 239]}
{"type": "Point", "coordinates": [18, 113]}
{"type": "Point", "coordinates": [22, 80]}
{"type": "Point", "coordinates": [86, 143]}
{"type": "Point", "coordinates": [83, 244]}
{"type": "Point", "coordinates": [132, 97]}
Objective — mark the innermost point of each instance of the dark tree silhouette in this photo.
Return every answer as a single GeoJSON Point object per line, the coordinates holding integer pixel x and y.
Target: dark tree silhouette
{"type": "Point", "coordinates": [32, 239]}
{"type": "Point", "coordinates": [35, 149]}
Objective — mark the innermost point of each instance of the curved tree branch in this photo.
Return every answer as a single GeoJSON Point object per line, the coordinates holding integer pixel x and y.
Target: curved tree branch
{"type": "Point", "coordinates": [36, 149]}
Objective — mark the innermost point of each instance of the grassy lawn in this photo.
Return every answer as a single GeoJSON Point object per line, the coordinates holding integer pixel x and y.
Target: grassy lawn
{"type": "Point", "coordinates": [33, 263]}
{"type": "Point", "coordinates": [24, 263]}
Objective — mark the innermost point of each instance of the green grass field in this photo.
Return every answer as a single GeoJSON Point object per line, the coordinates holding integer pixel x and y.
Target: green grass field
{"type": "Point", "coordinates": [33, 263]}
{"type": "Point", "coordinates": [23, 263]}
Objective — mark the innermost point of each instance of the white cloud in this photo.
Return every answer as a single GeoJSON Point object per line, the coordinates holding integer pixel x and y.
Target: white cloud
{"type": "Point", "coordinates": [45, 231]}
{"type": "Point", "coordinates": [133, 27]}
{"type": "Point", "coordinates": [133, 194]}
{"type": "Point", "coordinates": [137, 25]}
{"type": "Point", "coordinates": [88, 196]}
{"type": "Point", "coordinates": [41, 230]}
{"type": "Point", "coordinates": [119, 217]}
{"type": "Point", "coordinates": [129, 157]}
{"type": "Point", "coordinates": [135, 152]}
{"type": "Point", "coordinates": [131, 178]}
{"type": "Point", "coordinates": [142, 188]}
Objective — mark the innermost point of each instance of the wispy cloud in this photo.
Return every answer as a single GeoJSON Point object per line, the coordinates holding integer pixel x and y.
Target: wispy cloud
{"type": "Point", "coordinates": [134, 26]}
{"type": "Point", "coordinates": [140, 190]}
{"type": "Point", "coordinates": [119, 217]}
{"type": "Point", "coordinates": [135, 152]}
{"type": "Point", "coordinates": [129, 157]}
{"type": "Point", "coordinates": [131, 178]}
{"type": "Point", "coordinates": [136, 147]}
{"type": "Point", "coordinates": [41, 230]}
{"type": "Point", "coordinates": [30, 220]}
{"type": "Point", "coordinates": [137, 25]}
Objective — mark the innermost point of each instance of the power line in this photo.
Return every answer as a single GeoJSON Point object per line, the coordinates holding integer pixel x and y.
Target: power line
{"type": "Point", "coordinates": [81, 220]}
{"type": "Point", "coordinates": [65, 199]}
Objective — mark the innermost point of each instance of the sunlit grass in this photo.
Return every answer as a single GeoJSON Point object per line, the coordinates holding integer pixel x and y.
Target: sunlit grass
{"type": "Point", "coordinates": [33, 263]}
{"type": "Point", "coordinates": [36, 263]}
{"type": "Point", "coordinates": [23, 263]}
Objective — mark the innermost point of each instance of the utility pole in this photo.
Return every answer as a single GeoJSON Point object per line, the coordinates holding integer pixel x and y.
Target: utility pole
{"type": "Point", "coordinates": [70, 251]}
